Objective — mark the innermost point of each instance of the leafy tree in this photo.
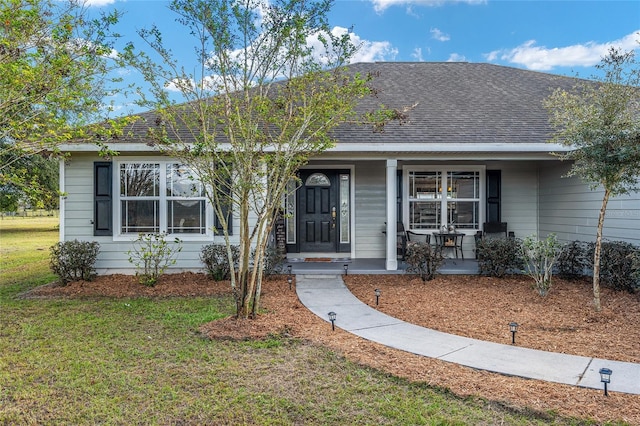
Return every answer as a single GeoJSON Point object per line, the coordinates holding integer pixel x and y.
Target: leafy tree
{"type": "Point", "coordinates": [54, 71]}
{"type": "Point", "coordinates": [260, 102]}
{"type": "Point", "coordinates": [600, 122]}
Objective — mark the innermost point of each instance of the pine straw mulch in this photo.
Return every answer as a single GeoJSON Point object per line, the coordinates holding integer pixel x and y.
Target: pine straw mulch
{"type": "Point", "coordinates": [477, 307]}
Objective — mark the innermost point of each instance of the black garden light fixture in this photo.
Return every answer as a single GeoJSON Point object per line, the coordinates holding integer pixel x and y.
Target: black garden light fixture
{"type": "Point", "coordinates": [289, 269]}
{"type": "Point", "coordinates": [332, 318]}
{"type": "Point", "coordinates": [346, 268]}
{"type": "Point", "coordinates": [377, 292]}
{"type": "Point", "coordinates": [290, 280]}
{"type": "Point", "coordinates": [605, 377]}
{"type": "Point", "coordinates": [513, 327]}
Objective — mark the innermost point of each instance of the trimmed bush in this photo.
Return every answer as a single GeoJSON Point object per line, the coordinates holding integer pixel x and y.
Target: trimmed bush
{"type": "Point", "coordinates": [499, 256]}
{"type": "Point", "coordinates": [424, 260]}
{"type": "Point", "coordinates": [617, 269]}
{"type": "Point", "coordinates": [574, 260]}
{"type": "Point", "coordinates": [74, 260]}
{"type": "Point", "coordinates": [214, 258]}
{"type": "Point", "coordinates": [273, 262]}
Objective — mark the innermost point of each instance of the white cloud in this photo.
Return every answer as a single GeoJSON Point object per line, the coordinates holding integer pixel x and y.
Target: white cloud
{"type": "Point", "coordinates": [381, 5]}
{"type": "Point", "coordinates": [439, 35]}
{"type": "Point", "coordinates": [541, 58]}
{"type": "Point", "coordinates": [368, 51]}
{"type": "Point", "coordinates": [417, 54]}
{"type": "Point", "coordinates": [96, 3]}
{"type": "Point", "coordinates": [455, 57]}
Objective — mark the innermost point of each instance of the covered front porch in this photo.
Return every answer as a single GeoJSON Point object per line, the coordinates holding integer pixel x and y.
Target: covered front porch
{"type": "Point", "coordinates": [372, 266]}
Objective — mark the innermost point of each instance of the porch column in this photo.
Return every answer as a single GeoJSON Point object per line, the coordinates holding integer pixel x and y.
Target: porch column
{"type": "Point", "coordinates": [392, 250]}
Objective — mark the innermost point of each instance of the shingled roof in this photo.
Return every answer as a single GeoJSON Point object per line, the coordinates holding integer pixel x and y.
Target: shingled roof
{"type": "Point", "coordinates": [459, 103]}
{"type": "Point", "coordinates": [453, 103]}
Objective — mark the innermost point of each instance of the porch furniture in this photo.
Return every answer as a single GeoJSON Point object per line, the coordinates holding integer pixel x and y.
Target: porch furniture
{"type": "Point", "coordinates": [415, 237]}
{"type": "Point", "coordinates": [451, 241]}
{"type": "Point", "coordinates": [401, 243]}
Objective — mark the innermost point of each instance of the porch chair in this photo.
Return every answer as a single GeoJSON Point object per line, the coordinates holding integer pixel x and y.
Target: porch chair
{"type": "Point", "coordinates": [414, 237]}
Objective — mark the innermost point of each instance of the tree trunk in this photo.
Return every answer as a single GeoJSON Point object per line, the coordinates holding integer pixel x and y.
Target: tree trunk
{"type": "Point", "coordinates": [598, 251]}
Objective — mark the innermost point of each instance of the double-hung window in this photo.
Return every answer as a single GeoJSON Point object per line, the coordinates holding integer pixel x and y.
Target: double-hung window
{"type": "Point", "coordinates": [443, 197]}
{"type": "Point", "coordinates": [161, 197]}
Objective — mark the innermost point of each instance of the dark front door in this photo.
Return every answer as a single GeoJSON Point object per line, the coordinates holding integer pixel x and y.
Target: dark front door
{"type": "Point", "coordinates": [318, 211]}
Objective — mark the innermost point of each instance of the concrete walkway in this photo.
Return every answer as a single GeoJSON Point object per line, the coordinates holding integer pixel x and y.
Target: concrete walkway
{"type": "Point", "coordinates": [322, 294]}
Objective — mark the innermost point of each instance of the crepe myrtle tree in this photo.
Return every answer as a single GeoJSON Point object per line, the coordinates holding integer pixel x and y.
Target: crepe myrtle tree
{"type": "Point", "coordinates": [266, 89]}
{"type": "Point", "coordinates": [54, 77]}
{"type": "Point", "coordinates": [600, 122]}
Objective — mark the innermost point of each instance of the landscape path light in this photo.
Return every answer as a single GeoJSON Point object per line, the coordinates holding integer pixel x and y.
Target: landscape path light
{"type": "Point", "coordinates": [289, 280]}
{"type": "Point", "coordinates": [332, 318]}
{"type": "Point", "coordinates": [605, 377]}
{"type": "Point", "coordinates": [513, 327]}
{"type": "Point", "coordinates": [289, 269]}
{"type": "Point", "coordinates": [346, 268]}
{"type": "Point", "coordinates": [377, 292]}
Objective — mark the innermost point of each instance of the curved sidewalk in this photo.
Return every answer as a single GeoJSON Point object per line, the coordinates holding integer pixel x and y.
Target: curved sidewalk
{"type": "Point", "coordinates": [322, 294]}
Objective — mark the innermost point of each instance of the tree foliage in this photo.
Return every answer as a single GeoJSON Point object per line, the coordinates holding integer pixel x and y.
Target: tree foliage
{"type": "Point", "coordinates": [54, 67]}
{"type": "Point", "coordinates": [267, 90]}
{"type": "Point", "coordinates": [600, 121]}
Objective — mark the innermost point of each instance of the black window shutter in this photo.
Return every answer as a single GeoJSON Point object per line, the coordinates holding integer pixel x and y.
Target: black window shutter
{"type": "Point", "coordinates": [103, 198]}
{"type": "Point", "coordinates": [493, 195]}
{"type": "Point", "coordinates": [226, 209]}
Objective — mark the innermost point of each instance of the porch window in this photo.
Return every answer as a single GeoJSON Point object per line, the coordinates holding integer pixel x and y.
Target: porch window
{"type": "Point", "coordinates": [161, 197]}
{"type": "Point", "coordinates": [444, 197]}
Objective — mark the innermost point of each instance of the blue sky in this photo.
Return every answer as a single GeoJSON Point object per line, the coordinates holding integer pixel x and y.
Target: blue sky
{"type": "Point", "coordinates": [561, 37]}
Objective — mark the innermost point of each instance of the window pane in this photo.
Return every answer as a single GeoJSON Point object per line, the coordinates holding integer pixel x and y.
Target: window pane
{"type": "Point", "coordinates": [181, 182]}
{"type": "Point", "coordinates": [139, 180]}
{"type": "Point", "coordinates": [344, 208]}
{"type": "Point", "coordinates": [424, 185]}
{"type": "Point", "coordinates": [463, 185]}
{"type": "Point", "coordinates": [186, 217]}
{"type": "Point", "coordinates": [424, 215]}
{"type": "Point", "coordinates": [140, 216]}
{"type": "Point", "coordinates": [463, 214]}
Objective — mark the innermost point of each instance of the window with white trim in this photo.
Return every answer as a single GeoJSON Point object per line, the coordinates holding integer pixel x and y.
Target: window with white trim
{"type": "Point", "coordinates": [161, 197]}
{"type": "Point", "coordinates": [444, 197]}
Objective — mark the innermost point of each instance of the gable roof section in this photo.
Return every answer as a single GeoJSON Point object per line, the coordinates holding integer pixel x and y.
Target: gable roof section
{"type": "Point", "coordinates": [459, 107]}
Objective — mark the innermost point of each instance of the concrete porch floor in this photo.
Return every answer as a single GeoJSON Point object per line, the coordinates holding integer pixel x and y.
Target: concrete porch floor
{"type": "Point", "coordinates": [375, 266]}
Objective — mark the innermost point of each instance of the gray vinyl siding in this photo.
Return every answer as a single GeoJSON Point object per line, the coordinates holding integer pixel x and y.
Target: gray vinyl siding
{"type": "Point", "coordinates": [570, 209]}
{"type": "Point", "coordinates": [78, 217]}
{"type": "Point", "coordinates": [519, 199]}
{"type": "Point", "coordinates": [370, 209]}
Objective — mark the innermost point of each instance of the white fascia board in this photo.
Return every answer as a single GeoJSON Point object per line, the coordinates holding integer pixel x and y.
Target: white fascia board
{"type": "Point", "coordinates": [451, 148]}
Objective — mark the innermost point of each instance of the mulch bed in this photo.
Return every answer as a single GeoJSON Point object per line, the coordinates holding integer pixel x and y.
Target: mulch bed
{"type": "Point", "coordinates": [477, 307]}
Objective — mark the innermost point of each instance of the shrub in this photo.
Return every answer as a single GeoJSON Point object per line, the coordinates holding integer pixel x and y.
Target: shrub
{"type": "Point", "coordinates": [617, 269]}
{"type": "Point", "coordinates": [539, 257]}
{"type": "Point", "coordinates": [424, 260]}
{"type": "Point", "coordinates": [573, 260]}
{"type": "Point", "coordinates": [216, 263]}
{"type": "Point", "coordinates": [152, 255]}
{"type": "Point", "coordinates": [499, 256]}
{"type": "Point", "coordinates": [74, 260]}
{"type": "Point", "coordinates": [273, 262]}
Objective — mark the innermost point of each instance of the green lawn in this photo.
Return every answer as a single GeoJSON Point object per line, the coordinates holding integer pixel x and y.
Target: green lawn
{"type": "Point", "coordinates": [141, 361]}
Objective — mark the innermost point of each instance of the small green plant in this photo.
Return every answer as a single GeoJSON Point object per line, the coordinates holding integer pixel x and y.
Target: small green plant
{"type": "Point", "coordinates": [540, 256]}
{"type": "Point", "coordinates": [573, 260]}
{"type": "Point", "coordinates": [74, 260]}
{"type": "Point", "coordinates": [152, 255]}
{"type": "Point", "coordinates": [424, 260]}
{"type": "Point", "coordinates": [499, 256]}
{"type": "Point", "coordinates": [215, 260]}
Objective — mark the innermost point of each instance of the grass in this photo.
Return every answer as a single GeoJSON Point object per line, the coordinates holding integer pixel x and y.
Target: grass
{"type": "Point", "coordinates": [141, 361]}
